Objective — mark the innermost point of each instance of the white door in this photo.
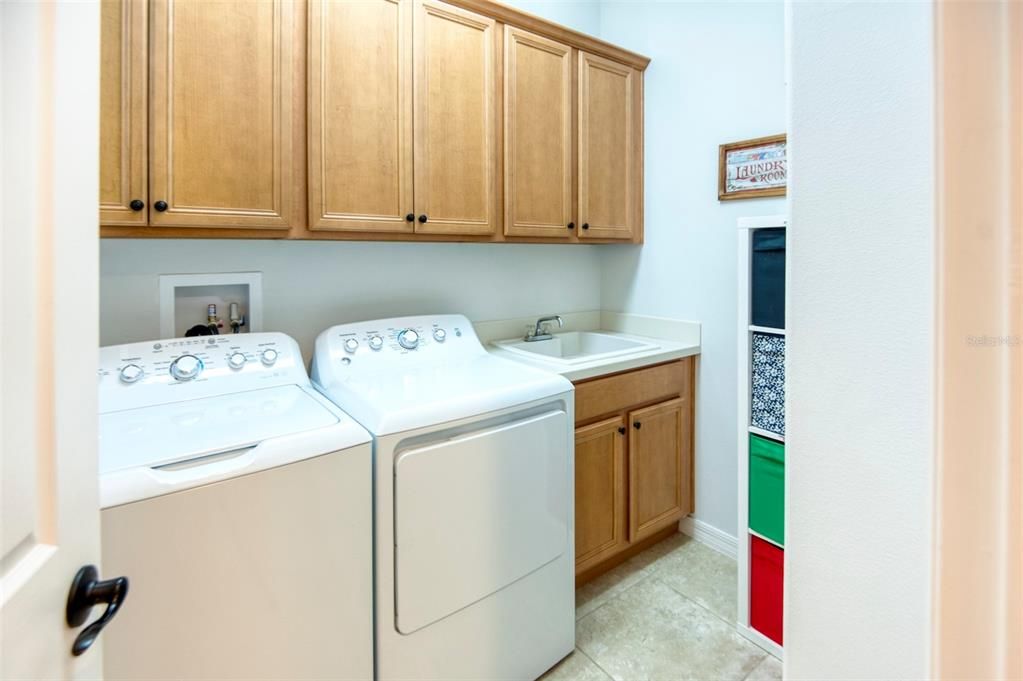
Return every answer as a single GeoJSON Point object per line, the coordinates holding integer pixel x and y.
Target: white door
{"type": "Point", "coordinates": [49, 515]}
{"type": "Point", "coordinates": [475, 513]}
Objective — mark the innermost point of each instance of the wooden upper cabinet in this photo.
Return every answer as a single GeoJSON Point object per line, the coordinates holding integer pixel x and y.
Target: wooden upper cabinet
{"type": "Point", "coordinates": [538, 130]}
{"type": "Point", "coordinates": [659, 465]}
{"type": "Point", "coordinates": [226, 128]}
{"type": "Point", "coordinates": [123, 106]}
{"type": "Point", "coordinates": [360, 115]}
{"type": "Point", "coordinates": [610, 148]}
{"type": "Point", "coordinates": [455, 95]}
{"type": "Point", "coordinates": [600, 492]}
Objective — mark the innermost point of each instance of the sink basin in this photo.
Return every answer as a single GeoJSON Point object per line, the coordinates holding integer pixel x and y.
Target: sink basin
{"type": "Point", "coordinates": [576, 347]}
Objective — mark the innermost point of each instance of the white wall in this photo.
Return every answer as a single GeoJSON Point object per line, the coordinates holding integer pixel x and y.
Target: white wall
{"type": "Point", "coordinates": [717, 75]}
{"type": "Point", "coordinates": [861, 343]}
{"type": "Point", "coordinates": [309, 286]}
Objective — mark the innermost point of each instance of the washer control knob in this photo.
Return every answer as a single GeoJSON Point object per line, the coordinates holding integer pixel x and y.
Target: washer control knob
{"type": "Point", "coordinates": [131, 373]}
{"type": "Point", "coordinates": [376, 342]}
{"type": "Point", "coordinates": [408, 339]}
{"type": "Point", "coordinates": [440, 335]}
{"type": "Point", "coordinates": [268, 357]}
{"type": "Point", "coordinates": [236, 360]}
{"type": "Point", "coordinates": [351, 345]}
{"type": "Point", "coordinates": [186, 367]}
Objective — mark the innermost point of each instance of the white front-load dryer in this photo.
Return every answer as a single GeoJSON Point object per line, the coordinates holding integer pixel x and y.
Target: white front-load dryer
{"type": "Point", "coordinates": [473, 459]}
{"type": "Point", "coordinates": [238, 502]}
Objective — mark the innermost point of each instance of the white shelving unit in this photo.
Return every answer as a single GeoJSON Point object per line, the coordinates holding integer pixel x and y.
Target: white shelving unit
{"type": "Point", "coordinates": [745, 332]}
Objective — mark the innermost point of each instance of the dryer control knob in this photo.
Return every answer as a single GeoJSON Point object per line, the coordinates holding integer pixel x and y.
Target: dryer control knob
{"type": "Point", "coordinates": [236, 360]}
{"type": "Point", "coordinates": [376, 342]}
{"type": "Point", "coordinates": [186, 367]}
{"type": "Point", "coordinates": [351, 345]}
{"type": "Point", "coordinates": [408, 339]}
{"type": "Point", "coordinates": [131, 373]}
{"type": "Point", "coordinates": [268, 357]}
{"type": "Point", "coordinates": [440, 335]}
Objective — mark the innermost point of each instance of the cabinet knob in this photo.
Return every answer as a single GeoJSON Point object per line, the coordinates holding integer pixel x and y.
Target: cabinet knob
{"type": "Point", "coordinates": [637, 425]}
{"type": "Point", "coordinates": [137, 205]}
{"type": "Point", "coordinates": [571, 225]}
{"type": "Point", "coordinates": [410, 217]}
{"type": "Point", "coordinates": [160, 206]}
{"type": "Point", "coordinates": [423, 218]}
{"type": "Point", "coordinates": [586, 225]}
{"type": "Point", "coordinates": [621, 429]}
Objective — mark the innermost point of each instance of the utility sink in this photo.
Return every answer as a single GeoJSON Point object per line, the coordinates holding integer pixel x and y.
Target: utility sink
{"type": "Point", "coordinates": [576, 347]}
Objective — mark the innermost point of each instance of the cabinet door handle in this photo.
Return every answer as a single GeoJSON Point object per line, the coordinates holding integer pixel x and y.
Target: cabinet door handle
{"type": "Point", "coordinates": [571, 225]}
{"type": "Point", "coordinates": [423, 218]}
{"type": "Point", "coordinates": [137, 205]}
{"type": "Point", "coordinates": [621, 429]}
{"type": "Point", "coordinates": [160, 206]}
{"type": "Point", "coordinates": [586, 225]}
{"type": "Point", "coordinates": [637, 425]}
{"type": "Point", "coordinates": [410, 217]}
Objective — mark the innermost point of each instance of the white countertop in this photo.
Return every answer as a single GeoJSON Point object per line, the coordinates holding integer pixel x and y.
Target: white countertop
{"type": "Point", "coordinates": [674, 339]}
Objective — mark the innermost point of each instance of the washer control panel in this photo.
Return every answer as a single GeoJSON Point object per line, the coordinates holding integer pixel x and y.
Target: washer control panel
{"type": "Point", "coordinates": [189, 368]}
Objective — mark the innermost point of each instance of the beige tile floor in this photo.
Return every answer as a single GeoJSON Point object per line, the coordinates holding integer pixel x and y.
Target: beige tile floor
{"type": "Point", "coordinates": [667, 614]}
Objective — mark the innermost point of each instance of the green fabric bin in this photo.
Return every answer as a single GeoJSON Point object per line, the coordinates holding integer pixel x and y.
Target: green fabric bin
{"type": "Point", "coordinates": [767, 488]}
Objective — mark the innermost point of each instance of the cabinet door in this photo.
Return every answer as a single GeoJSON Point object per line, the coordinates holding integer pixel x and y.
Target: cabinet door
{"type": "Point", "coordinates": [600, 490]}
{"type": "Point", "coordinates": [455, 86]}
{"type": "Point", "coordinates": [226, 114]}
{"type": "Point", "coordinates": [659, 453]}
{"type": "Point", "coordinates": [608, 148]}
{"type": "Point", "coordinates": [537, 135]}
{"type": "Point", "coordinates": [360, 115]}
{"type": "Point", "coordinates": [122, 113]}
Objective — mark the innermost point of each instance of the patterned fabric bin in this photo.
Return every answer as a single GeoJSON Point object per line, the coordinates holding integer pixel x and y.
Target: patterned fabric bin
{"type": "Point", "coordinates": [767, 390]}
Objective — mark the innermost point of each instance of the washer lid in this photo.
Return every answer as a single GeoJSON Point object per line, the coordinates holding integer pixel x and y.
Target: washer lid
{"type": "Point", "coordinates": [150, 437]}
{"type": "Point", "coordinates": [408, 397]}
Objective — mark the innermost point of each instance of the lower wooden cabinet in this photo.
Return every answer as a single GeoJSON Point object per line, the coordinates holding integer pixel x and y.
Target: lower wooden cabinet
{"type": "Point", "coordinates": [600, 492]}
{"type": "Point", "coordinates": [633, 462]}
{"type": "Point", "coordinates": [658, 476]}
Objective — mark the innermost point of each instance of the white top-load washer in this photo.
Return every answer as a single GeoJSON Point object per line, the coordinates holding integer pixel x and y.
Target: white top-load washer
{"type": "Point", "coordinates": [238, 502]}
{"type": "Point", "coordinates": [474, 497]}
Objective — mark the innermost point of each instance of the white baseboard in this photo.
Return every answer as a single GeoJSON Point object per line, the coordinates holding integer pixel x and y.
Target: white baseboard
{"type": "Point", "coordinates": [720, 541]}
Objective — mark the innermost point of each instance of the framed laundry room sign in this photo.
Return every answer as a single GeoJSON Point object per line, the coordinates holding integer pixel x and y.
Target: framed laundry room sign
{"type": "Point", "coordinates": [753, 168]}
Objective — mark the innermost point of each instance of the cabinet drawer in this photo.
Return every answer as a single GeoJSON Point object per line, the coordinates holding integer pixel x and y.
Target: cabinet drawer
{"type": "Point", "coordinates": [602, 396]}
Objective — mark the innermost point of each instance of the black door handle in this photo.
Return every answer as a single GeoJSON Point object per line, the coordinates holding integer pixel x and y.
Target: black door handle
{"type": "Point", "coordinates": [621, 430]}
{"type": "Point", "coordinates": [571, 225]}
{"type": "Point", "coordinates": [637, 425]}
{"type": "Point", "coordinates": [137, 205]}
{"type": "Point", "coordinates": [87, 591]}
{"type": "Point", "coordinates": [586, 225]}
{"type": "Point", "coordinates": [410, 217]}
{"type": "Point", "coordinates": [160, 206]}
{"type": "Point", "coordinates": [422, 218]}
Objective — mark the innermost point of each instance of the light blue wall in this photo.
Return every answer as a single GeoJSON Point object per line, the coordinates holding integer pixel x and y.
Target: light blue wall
{"type": "Point", "coordinates": [716, 75]}
{"type": "Point", "coordinates": [582, 15]}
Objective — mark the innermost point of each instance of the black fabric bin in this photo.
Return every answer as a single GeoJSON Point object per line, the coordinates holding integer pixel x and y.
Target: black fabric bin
{"type": "Point", "coordinates": [767, 281]}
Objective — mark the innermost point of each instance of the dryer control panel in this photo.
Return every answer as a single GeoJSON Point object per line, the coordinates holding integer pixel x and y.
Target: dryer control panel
{"type": "Point", "coordinates": [385, 343]}
{"type": "Point", "coordinates": [170, 370]}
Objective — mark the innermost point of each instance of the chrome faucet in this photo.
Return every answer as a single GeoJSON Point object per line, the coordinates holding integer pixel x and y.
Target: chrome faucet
{"type": "Point", "coordinates": [541, 332]}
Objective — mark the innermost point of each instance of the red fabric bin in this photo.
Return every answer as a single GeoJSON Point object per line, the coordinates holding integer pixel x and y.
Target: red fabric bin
{"type": "Point", "coordinates": [767, 583]}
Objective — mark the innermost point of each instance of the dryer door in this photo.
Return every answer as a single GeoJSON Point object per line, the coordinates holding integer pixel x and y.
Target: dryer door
{"type": "Point", "coordinates": [475, 513]}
